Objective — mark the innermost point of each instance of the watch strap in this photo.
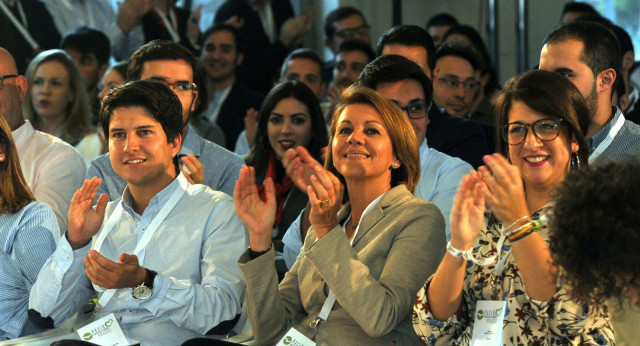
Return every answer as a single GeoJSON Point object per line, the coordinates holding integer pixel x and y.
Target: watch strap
{"type": "Point", "coordinates": [149, 277]}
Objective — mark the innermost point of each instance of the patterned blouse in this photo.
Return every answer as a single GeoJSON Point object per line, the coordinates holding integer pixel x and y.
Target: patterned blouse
{"type": "Point", "coordinates": [559, 321]}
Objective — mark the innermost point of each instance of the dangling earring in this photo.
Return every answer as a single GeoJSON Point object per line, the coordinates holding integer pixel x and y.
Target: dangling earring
{"type": "Point", "coordinates": [575, 161]}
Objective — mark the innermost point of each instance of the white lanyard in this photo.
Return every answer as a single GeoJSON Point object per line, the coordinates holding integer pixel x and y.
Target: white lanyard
{"type": "Point", "coordinates": [172, 27]}
{"type": "Point", "coordinates": [22, 27]}
{"type": "Point", "coordinates": [144, 241]}
{"type": "Point", "coordinates": [331, 298]}
{"type": "Point", "coordinates": [607, 141]}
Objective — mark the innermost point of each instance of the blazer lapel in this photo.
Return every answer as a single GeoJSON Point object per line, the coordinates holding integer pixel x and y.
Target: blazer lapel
{"type": "Point", "coordinates": [377, 212]}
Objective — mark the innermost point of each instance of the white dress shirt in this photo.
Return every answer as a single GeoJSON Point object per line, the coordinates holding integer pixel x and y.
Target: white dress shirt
{"type": "Point", "coordinates": [53, 169]}
{"type": "Point", "coordinates": [194, 252]}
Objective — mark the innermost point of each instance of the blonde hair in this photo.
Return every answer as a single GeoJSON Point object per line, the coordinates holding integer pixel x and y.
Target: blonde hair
{"type": "Point", "coordinates": [77, 123]}
{"type": "Point", "coordinates": [403, 140]}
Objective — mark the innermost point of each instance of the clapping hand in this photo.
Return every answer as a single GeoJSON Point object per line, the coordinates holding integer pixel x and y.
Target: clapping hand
{"type": "Point", "coordinates": [467, 213]}
{"type": "Point", "coordinates": [83, 221]}
{"type": "Point", "coordinates": [192, 169]}
{"type": "Point", "coordinates": [325, 196]}
{"type": "Point", "coordinates": [300, 166]}
{"type": "Point", "coordinates": [109, 274]}
{"type": "Point", "coordinates": [257, 216]}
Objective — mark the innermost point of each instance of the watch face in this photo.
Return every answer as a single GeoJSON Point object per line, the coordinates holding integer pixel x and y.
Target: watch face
{"type": "Point", "coordinates": [141, 292]}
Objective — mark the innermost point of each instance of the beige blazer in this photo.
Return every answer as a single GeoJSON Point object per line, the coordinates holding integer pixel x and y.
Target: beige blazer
{"type": "Point", "coordinates": [399, 244]}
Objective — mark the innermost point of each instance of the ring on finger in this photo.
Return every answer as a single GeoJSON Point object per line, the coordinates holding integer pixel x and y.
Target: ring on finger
{"type": "Point", "coordinates": [324, 203]}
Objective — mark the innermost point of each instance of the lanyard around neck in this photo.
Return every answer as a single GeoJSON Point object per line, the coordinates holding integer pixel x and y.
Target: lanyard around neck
{"type": "Point", "coordinates": [144, 241]}
{"type": "Point", "coordinates": [171, 26]}
{"type": "Point", "coordinates": [607, 141]}
{"type": "Point", "coordinates": [22, 27]}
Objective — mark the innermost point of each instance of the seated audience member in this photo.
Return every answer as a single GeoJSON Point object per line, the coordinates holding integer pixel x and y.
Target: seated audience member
{"type": "Point", "coordinates": [166, 21]}
{"type": "Point", "coordinates": [290, 118]}
{"type": "Point", "coordinates": [123, 28]}
{"type": "Point", "coordinates": [90, 50]}
{"type": "Point", "coordinates": [594, 239]}
{"type": "Point", "coordinates": [227, 101]}
{"type": "Point", "coordinates": [270, 30]}
{"type": "Point", "coordinates": [438, 25]}
{"type": "Point", "coordinates": [203, 162]}
{"type": "Point", "coordinates": [341, 24]}
{"type": "Point", "coordinates": [374, 239]}
{"type": "Point", "coordinates": [27, 230]}
{"type": "Point", "coordinates": [588, 55]}
{"type": "Point", "coordinates": [176, 286]}
{"type": "Point", "coordinates": [450, 135]}
{"type": "Point", "coordinates": [115, 75]}
{"type": "Point", "coordinates": [482, 107]}
{"type": "Point", "coordinates": [28, 30]}
{"type": "Point", "coordinates": [542, 117]}
{"type": "Point", "coordinates": [56, 102]}
{"type": "Point", "coordinates": [405, 84]}
{"type": "Point", "coordinates": [53, 170]}
{"type": "Point", "coordinates": [350, 59]}
{"type": "Point", "coordinates": [576, 9]}
{"type": "Point", "coordinates": [303, 65]}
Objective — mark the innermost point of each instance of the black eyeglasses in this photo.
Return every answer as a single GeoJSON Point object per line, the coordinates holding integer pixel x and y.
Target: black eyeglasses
{"type": "Point", "coordinates": [417, 110]}
{"type": "Point", "coordinates": [351, 33]}
{"type": "Point", "coordinates": [544, 129]}
{"type": "Point", "coordinates": [2, 78]}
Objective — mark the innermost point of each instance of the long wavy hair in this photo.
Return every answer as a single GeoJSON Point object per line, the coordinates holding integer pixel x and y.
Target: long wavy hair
{"type": "Point", "coordinates": [14, 192]}
{"type": "Point", "coordinates": [77, 123]}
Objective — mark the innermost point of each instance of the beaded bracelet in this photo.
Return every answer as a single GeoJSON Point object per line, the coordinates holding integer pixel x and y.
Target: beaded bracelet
{"type": "Point", "coordinates": [468, 255]}
{"type": "Point", "coordinates": [524, 231]}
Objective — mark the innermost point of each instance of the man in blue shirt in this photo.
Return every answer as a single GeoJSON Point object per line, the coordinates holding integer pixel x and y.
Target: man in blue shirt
{"type": "Point", "coordinates": [162, 257]}
{"type": "Point", "coordinates": [203, 162]}
{"type": "Point", "coordinates": [588, 55]}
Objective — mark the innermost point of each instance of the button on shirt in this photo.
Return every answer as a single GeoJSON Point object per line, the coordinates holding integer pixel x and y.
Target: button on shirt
{"type": "Point", "coordinates": [221, 167]}
{"type": "Point", "coordinates": [194, 252]}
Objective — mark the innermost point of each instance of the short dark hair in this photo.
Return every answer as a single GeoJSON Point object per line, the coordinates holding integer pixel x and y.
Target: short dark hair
{"type": "Point", "coordinates": [304, 53]}
{"type": "Point", "coordinates": [460, 49]}
{"type": "Point", "coordinates": [258, 157]}
{"type": "Point", "coordinates": [409, 35]}
{"type": "Point", "coordinates": [157, 98]}
{"type": "Point", "coordinates": [394, 68]}
{"type": "Point", "coordinates": [88, 40]}
{"type": "Point", "coordinates": [626, 44]}
{"type": "Point", "coordinates": [237, 38]}
{"type": "Point", "coordinates": [337, 15]}
{"type": "Point", "coordinates": [441, 19]}
{"type": "Point", "coordinates": [601, 49]}
{"type": "Point", "coordinates": [593, 232]}
{"type": "Point", "coordinates": [580, 7]}
{"type": "Point", "coordinates": [120, 67]}
{"type": "Point", "coordinates": [352, 45]}
{"type": "Point", "coordinates": [162, 50]}
{"type": "Point", "coordinates": [546, 93]}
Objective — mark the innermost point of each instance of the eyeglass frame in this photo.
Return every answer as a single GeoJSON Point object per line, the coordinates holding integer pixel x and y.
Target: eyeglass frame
{"type": "Point", "coordinates": [173, 85]}
{"type": "Point", "coordinates": [2, 78]}
{"type": "Point", "coordinates": [405, 109]}
{"type": "Point", "coordinates": [505, 130]}
{"type": "Point", "coordinates": [456, 84]}
{"type": "Point", "coordinates": [360, 30]}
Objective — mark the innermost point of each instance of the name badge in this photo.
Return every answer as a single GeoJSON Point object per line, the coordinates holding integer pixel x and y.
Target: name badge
{"type": "Point", "coordinates": [487, 328]}
{"type": "Point", "coordinates": [295, 338]}
{"type": "Point", "coordinates": [104, 331]}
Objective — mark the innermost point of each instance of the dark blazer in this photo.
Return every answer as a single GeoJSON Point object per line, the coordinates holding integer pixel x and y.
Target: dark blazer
{"type": "Point", "coordinates": [154, 29]}
{"type": "Point", "coordinates": [456, 136]}
{"type": "Point", "coordinates": [234, 109]}
{"type": "Point", "coordinates": [262, 60]}
{"type": "Point", "coordinates": [400, 242]}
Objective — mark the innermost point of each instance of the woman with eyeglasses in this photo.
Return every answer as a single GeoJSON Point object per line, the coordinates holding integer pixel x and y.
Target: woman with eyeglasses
{"type": "Point", "coordinates": [497, 284]}
{"type": "Point", "coordinates": [27, 229]}
{"type": "Point", "coordinates": [56, 102]}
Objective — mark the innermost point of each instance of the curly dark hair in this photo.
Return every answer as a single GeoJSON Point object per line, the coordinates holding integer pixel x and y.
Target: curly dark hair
{"type": "Point", "coordinates": [594, 231]}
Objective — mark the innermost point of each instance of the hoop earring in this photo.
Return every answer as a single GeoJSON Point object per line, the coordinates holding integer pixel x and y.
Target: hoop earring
{"type": "Point", "coordinates": [575, 161]}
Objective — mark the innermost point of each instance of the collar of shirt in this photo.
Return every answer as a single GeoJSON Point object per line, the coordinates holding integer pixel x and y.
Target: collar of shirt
{"type": "Point", "coordinates": [190, 144]}
{"type": "Point", "coordinates": [596, 139]}
{"type": "Point", "coordinates": [22, 134]}
{"type": "Point", "coordinates": [156, 203]}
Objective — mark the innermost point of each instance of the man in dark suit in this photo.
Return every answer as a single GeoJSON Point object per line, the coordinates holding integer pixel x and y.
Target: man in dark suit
{"type": "Point", "coordinates": [227, 99]}
{"type": "Point", "coordinates": [451, 135]}
{"type": "Point", "coordinates": [265, 49]}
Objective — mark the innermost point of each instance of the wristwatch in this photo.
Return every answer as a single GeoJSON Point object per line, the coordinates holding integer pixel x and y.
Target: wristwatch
{"type": "Point", "coordinates": [143, 291]}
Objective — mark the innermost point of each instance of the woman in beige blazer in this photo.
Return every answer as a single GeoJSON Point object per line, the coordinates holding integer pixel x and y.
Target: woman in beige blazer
{"type": "Point", "coordinates": [371, 253]}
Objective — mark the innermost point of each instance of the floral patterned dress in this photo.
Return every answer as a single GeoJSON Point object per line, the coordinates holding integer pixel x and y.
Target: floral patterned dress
{"type": "Point", "coordinates": [559, 321]}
